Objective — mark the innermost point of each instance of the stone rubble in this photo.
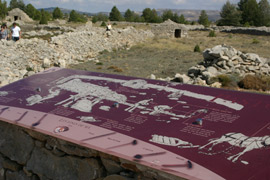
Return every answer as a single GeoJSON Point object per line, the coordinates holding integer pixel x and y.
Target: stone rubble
{"type": "Point", "coordinates": [223, 59]}
{"type": "Point", "coordinates": [29, 56]}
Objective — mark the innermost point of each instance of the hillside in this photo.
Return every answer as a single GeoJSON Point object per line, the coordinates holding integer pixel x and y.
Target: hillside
{"type": "Point", "coordinates": [193, 15]}
{"type": "Point", "coordinates": [67, 11]}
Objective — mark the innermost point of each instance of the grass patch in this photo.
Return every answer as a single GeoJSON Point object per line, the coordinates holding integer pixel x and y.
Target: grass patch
{"type": "Point", "coordinates": [164, 56]}
{"type": "Point", "coordinates": [255, 41]}
{"type": "Point", "coordinates": [212, 34]}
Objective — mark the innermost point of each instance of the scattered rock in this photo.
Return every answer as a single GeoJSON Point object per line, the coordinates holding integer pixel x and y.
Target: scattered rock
{"type": "Point", "coordinates": [55, 167]}
{"type": "Point", "coordinates": [71, 47]}
{"type": "Point", "coordinates": [111, 166]}
{"type": "Point", "coordinates": [152, 76]}
{"type": "Point", "coordinates": [17, 145]}
{"type": "Point", "coordinates": [223, 59]}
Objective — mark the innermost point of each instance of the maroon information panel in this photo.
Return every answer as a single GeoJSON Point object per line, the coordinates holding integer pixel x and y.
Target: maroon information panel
{"type": "Point", "coordinates": [189, 131]}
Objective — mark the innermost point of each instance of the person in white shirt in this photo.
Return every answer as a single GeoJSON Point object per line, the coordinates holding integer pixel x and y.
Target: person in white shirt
{"type": "Point", "coordinates": [16, 32]}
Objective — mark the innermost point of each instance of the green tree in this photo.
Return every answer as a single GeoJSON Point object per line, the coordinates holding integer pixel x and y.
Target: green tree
{"type": "Point", "coordinates": [100, 17]}
{"type": "Point", "coordinates": [176, 18]}
{"type": "Point", "coordinates": [43, 19]}
{"type": "Point", "coordinates": [155, 18]}
{"type": "Point", "coordinates": [30, 10]}
{"type": "Point", "coordinates": [264, 13]}
{"type": "Point", "coordinates": [16, 4]}
{"type": "Point", "coordinates": [115, 14]}
{"type": "Point", "coordinates": [37, 15]}
{"type": "Point", "coordinates": [48, 15]}
{"type": "Point", "coordinates": [138, 18]}
{"type": "Point", "coordinates": [129, 15]}
{"type": "Point", "coordinates": [250, 13]}
{"type": "Point", "coordinates": [241, 5]}
{"type": "Point", "coordinates": [203, 19]}
{"type": "Point", "coordinates": [147, 14]}
{"type": "Point", "coordinates": [168, 14]}
{"type": "Point", "coordinates": [3, 9]}
{"type": "Point", "coordinates": [230, 16]}
{"type": "Point", "coordinates": [151, 16]}
{"type": "Point", "coordinates": [57, 13]}
{"type": "Point", "coordinates": [182, 19]}
{"type": "Point", "coordinates": [73, 16]}
{"type": "Point", "coordinates": [76, 17]}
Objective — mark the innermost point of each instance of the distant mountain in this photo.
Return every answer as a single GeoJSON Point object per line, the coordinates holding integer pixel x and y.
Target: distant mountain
{"type": "Point", "coordinates": [67, 11]}
{"type": "Point", "coordinates": [190, 15]}
{"type": "Point", "coordinates": [193, 15]}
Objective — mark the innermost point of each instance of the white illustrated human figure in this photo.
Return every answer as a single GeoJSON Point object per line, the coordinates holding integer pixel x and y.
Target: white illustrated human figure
{"type": "Point", "coordinates": [138, 105]}
{"type": "Point", "coordinates": [239, 140]}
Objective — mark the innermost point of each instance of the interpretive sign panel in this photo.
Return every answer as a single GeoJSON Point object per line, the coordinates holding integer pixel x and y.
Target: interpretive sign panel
{"type": "Point", "coordinates": [189, 131]}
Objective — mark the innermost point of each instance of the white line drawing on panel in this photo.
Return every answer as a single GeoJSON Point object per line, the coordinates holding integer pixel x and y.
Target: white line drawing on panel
{"type": "Point", "coordinates": [3, 93]}
{"type": "Point", "coordinates": [171, 141]}
{"type": "Point", "coordinates": [239, 140]}
{"type": "Point", "coordinates": [86, 95]}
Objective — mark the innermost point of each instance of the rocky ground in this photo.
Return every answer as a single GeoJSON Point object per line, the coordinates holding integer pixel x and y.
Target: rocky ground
{"type": "Point", "coordinates": [32, 55]}
{"type": "Point", "coordinates": [88, 46]}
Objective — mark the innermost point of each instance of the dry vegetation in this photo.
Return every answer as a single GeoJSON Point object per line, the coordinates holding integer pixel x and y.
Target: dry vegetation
{"type": "Point", "coordinates": [165, 57]}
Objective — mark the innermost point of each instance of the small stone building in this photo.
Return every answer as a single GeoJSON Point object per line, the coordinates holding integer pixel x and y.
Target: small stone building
{"type": "Point", "coordinates": [170, 29]}
{"type": "Point", "coordinates": [18, 15]}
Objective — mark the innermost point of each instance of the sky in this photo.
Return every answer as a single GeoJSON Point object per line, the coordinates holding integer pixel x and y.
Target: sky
{"type": "Point", "coordinates": [95, 6]}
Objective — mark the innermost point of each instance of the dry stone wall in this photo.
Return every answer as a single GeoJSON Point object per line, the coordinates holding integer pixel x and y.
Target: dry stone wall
{"type": "Point", "coordinates": [29, 56]}
{"type": "Point", "coordinates": [261, 31]}
{"type": "Point", "coordinates": [29, 155]}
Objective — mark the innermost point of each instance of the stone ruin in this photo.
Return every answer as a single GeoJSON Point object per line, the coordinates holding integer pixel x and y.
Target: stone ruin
{"type": "Point", "coordinates": [18, 15]}
{"type": "Point", "coordinates": [170, 29]}
{"type": "Point", "coordinates": [223, 59]}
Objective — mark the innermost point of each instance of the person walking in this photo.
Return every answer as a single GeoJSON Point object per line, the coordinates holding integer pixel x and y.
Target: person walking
{"type": "Point", "coordinates": [16, 32]}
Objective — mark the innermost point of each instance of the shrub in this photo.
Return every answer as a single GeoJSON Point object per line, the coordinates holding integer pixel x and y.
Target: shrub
{"type": "Point", "coordinates": [99, 63]}
{"type": "Point", "coordinates": [114, 24]}
{"type": "Point", "coordinates": [227, 81]}
{"type": "Point", "coordinates": [212, 34]}
{"type": "Point", "coordinates": [255, 41]}
{"type": "Point", "coordinates": [246, 24]}
{"type": "Point", "coordinates": [224, 80]}
{"type": "Point", "coordinates": [255, 82]}
{"type": "Point", "coordinates": [197, 48]}
{"type": "Point", "coordinates": [115, 69]}
{"type": "Point", "coordinates": [103, 24]}
{"type": "Point", "coordinates": [105, 51]}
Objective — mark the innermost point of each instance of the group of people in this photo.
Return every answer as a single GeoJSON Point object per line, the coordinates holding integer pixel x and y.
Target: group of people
{"type": "Point", "coordinates": [14, 34]}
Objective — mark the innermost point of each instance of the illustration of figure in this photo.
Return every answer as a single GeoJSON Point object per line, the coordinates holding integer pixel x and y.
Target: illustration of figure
{"type": "Point", "coordinates": [138, 104]}
{"type": "Point", "coordinates": [241, 141]}
{"type": "Point", "coordinates": [171, 141]}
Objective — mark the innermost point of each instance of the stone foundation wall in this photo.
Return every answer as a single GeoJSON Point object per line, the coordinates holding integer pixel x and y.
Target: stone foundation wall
{"type": "Point", "coordinates": [29, 155]}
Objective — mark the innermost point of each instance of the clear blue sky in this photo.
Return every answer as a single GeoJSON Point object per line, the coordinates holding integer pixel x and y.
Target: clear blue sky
{"type": "Point", "coordinates": [135, 5]}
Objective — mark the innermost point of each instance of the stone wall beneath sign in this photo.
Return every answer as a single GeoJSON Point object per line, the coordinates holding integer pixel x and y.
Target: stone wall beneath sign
{"type": "Point", "coordinates": [29, 155]}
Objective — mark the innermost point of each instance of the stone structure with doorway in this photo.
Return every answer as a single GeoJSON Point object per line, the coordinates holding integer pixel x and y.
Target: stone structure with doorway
{"type": "Point", "coordinates": [170, 29]}
{"type": "Point", "coordinates": [18, 15]}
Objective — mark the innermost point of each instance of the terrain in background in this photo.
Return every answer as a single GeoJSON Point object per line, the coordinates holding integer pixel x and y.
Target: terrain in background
{"type": "Point", "coordinates": [165, 57]}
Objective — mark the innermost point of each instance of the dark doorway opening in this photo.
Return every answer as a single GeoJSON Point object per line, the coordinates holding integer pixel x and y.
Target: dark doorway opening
{"type": "Point", "coordinates": [16, 18]}
{"type": "Point", "coordinates": [177, 33]}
